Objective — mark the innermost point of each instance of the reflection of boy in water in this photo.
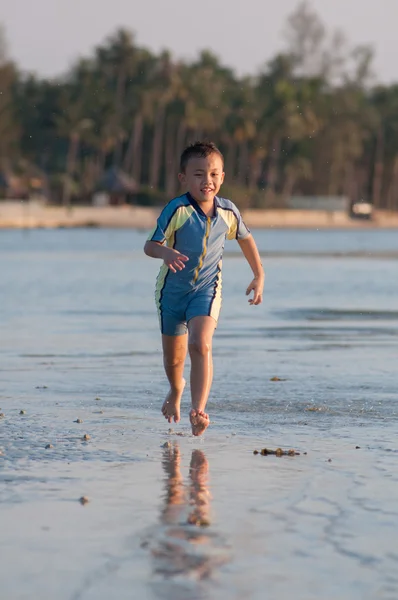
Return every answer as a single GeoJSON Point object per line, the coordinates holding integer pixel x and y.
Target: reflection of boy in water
{"type": "Point", "coordinates": [183, 547]}
{"type": "Point", "coordinates": [200, 495]}
{"type": "Point", "coordinates": [176, 496]}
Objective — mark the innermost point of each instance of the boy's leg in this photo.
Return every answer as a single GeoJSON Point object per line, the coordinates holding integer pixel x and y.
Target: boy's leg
{"type": "Point", "coordinates": [201, 330]}
{"type": "Point", "coordinates": [174, 353]}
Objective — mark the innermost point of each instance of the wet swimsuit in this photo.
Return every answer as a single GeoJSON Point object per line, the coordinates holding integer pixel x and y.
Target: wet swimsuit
{"type": "Point", "coordinates": [196, 290]}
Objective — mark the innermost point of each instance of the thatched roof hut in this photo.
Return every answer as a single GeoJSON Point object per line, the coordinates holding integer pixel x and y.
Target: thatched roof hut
{"type": "Point", "coordinates": [116, 181]}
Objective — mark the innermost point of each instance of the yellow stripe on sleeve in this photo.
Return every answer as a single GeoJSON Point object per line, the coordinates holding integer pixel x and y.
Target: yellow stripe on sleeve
{"type": "Point", "coordinates": [179, 218]}
{"type": "Point", "coordinates": [230, 219]}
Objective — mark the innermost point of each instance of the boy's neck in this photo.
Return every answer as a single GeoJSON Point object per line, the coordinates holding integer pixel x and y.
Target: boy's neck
{"type": "Point", "coordinates": [207, 207]}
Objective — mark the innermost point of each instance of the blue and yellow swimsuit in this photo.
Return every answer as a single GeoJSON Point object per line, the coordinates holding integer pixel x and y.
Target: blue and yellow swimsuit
{"type": "Point", "coordinates": [196, 290]}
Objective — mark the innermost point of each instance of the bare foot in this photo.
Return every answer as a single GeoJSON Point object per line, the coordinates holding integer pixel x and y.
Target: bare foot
{"type": "Point", "coordinates": [199, 421]}
{"type": "Point", "coordinates": [171, 406]}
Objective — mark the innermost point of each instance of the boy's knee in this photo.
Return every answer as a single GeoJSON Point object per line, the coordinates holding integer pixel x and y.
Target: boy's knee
{"type": "Point", "coordinates": [173, 361]}
{"type": "Point", "coordinates": [199, 346]}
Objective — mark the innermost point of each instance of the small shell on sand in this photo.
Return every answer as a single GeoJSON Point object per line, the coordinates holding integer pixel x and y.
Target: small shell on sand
{"type": "Point", "coordinates": [166, 445]}
{"type": "Point", "coordinates": [49, 446]}
{"type": "Point", "coordinates": [278, 452]}
{"type": "Point", "coordinates": [86, 437]}
{"type": "Point", "coordinates": [78, 421]}
{"type": "Point", "coordinates": [255, 452]}
{"type": "Point", "coordinates": [2, 415]}
{"type": "Point", "coordinates": [357, 447]}
{"type": "Point", "coordinates": [84, 500]}
{"type": "Point", "coordinates": [22, 412]}
{"type": "Point", "coordinates": [277, 379]}
{"type": "Point", "coordinates": [98, 399]}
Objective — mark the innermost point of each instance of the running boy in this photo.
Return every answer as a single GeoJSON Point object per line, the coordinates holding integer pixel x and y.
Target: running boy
{"type": "Point", "coordinates": [189, 238]}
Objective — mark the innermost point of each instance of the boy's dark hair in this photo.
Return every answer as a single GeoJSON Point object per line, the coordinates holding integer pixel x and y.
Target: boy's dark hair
{"type": "Point", "coordinates": [198, 150]}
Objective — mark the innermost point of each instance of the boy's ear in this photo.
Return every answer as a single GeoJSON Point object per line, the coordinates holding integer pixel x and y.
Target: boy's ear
{"type": "Point", "coordinates": [181, 178]}
{"type": "Point", "coordinates": [222, 178]}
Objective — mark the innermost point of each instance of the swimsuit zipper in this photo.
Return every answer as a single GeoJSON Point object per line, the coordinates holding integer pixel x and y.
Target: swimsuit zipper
{"type": "Point", "coordinates": [202, 256]}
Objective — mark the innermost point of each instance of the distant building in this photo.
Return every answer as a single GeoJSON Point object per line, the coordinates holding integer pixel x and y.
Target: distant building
{"type": "Point", "coordinates": [115, 187]}
{"type": "Point", "coordinates": [32, 184]}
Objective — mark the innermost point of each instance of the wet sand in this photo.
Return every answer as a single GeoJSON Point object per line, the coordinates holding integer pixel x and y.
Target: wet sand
{"type": "Point", "coordinates": [170, 517]}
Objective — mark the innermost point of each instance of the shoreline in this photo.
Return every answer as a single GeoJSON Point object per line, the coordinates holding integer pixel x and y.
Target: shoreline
{"type": "Point", "coordinates": [24, 215]}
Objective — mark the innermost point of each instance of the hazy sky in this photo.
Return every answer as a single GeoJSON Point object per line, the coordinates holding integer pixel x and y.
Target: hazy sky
{"type": "Point", "coordinates": [47, 35]}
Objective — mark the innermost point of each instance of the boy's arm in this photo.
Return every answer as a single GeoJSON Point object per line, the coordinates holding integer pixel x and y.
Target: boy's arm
{"type": "Point", "coordinates": [250, 252]}
{"type": "Point", "coordinates": [172, 258]}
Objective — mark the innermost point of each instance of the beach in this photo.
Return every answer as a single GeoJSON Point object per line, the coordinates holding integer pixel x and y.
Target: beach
{"type": "Point", "coordinates": [169, 516]}
{"type": "Point", "coordinates": [33, 215]}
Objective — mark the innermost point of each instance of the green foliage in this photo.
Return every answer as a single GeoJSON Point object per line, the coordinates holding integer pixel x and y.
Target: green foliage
{"type": "Point", "coordinates": [308, 123]}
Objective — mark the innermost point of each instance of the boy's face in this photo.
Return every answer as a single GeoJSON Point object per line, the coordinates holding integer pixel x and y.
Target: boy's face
{"type": "Point", "coordinates": [203, 177]}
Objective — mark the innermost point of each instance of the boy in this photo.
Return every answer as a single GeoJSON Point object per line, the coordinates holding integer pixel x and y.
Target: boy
{"type": "Point", "coordinates": [189, 238]}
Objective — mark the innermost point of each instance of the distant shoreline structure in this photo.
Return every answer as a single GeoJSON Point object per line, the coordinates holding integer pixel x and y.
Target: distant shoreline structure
{"type": "Point", "coordinates": [31, 215]}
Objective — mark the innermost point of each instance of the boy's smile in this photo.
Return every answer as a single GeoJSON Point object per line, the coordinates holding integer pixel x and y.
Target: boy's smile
{"type": "Point", "coordinates": [203, 177]}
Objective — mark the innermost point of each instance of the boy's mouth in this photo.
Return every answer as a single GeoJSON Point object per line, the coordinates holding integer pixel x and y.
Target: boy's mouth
{"type": "Point", "coordinates": [207, 190]}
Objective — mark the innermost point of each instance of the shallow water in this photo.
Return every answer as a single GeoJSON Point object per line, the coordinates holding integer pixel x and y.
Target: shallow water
{"type": "Point", "coordinates": [77, 323]}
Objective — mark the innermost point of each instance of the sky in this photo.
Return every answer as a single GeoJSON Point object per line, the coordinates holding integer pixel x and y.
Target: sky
{"type": "Point", "coordinates": [47, 36]}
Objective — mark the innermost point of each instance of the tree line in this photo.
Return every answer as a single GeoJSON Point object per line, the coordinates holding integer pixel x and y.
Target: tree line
{"type": "Point", "coordinates": [310, 122]}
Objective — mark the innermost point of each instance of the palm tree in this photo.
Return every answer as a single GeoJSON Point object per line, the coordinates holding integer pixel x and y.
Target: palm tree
{"type": "Point", "coordinates": [165, 81]}
{"type": "Point", "coordinates": [138, 112]}
{"type": "Point", "coordinates": [117, 63]}
{"type": "Point", "coordinates": [276, 94]}
{"type": "Point", "coordinates": [72, 124]}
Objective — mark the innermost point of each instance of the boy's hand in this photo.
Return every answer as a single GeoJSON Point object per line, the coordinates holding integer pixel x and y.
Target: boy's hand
{"type": "Point", "coordinates": [174, 259]}
{"type": "Point", "coordinates": [256, 286]}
